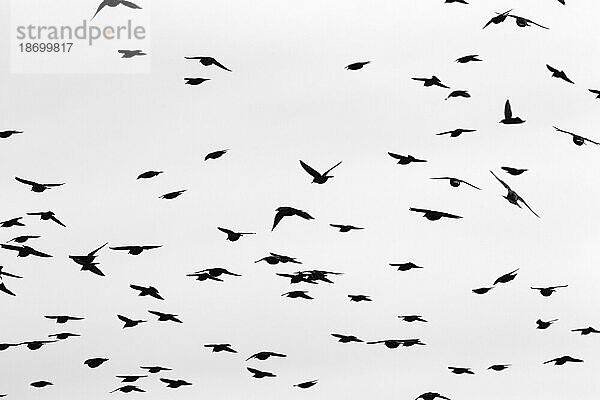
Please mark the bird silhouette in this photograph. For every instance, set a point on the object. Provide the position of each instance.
(507, 277)
(389, 343)
(204, 276)
(523, 22)
(455, 182)
(513, 197)
(114, 3)
(412, 318)
(131, 53)
(95, 362)
(208, 61)
(563, 360)
(174, 383)
(357, 298)
(282, 212)
(130, 323)
(544, 324)
(156, 369)
(467, 59)
(63, 319)
(9, 133)
(482, 290)
(234, 236)
(432, 396)
(130, 378)
(48, 216)
(64, 335)
(356, 66)
(499, 367)
(3, 273)
(307, 384)
(433, 81)
(345, 228)
(23, 238)
(214, 272)
(558, 74)
(514, 171)
(295, 294)
(38, 187)
(274, 259)
(318, 177)
(405, 266)
(578, 140)
(215, 154)
(149, 174)
(166, 317)
(456, 132)
(434, 215)
(217, 348)
(258, 374)
(547, 291)
(195, 81)
(265, 355)
(25, 251)
(147, 291)
(172, 195)
(41, 384)
(461, 370)
(134, 250)
(586, 331)
(405, 160)
(87, 261)
(458, 93)
(128, 389)
(596, 92)
(346, 338)
(498, 19)
(37, 344)
(508, 116)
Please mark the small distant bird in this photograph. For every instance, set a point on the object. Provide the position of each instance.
(172, 195)
(258, 374)
(23, 238)
(578, 140)
(47, 215)
(37, 344)
(461, 370)
(405, 160)
(63, 319)
(88, 258)
(166, 317)
(458, 93)
(295, 294)
(130, 323)
(128, 389)
(307, 384)
(64, 335)
(24, 251)
(412, 318)
(514, 171)
(563, 360)
(215, 154)
(523, 22)
(134, 250)
(7, 134)
(513, 197)
(586, 331)
(95, 362)
(359, 297)
(482, 290)
(38, 187)
(544, 324)
(265, 355)
(12, 222)
(405, 266)
(114, 3)
(346, 338)
(433, 81)
(41, 384)
(547, 291)
(289, 212)
(345, 228)
(156, 369)
(559, 74)
(131, 53)
(208, 61)
(455, 182)
(432, 396)
(130, 378)
(498, 19)
(234, 236)
(499, 367)
(434, 215)
(596, 92)
(149, 174)
(174, 384)
(216, 348)
(466, 59)
(274, 259)
(456, 132)
(508, 116)
(147, 291)
(318, 177)
(195, 81)
(356, 66)
(215, 272)
(507, 277)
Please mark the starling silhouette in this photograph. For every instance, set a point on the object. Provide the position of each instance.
(166, 317)
(307, 384)
(149, 174)
(356, 66)
(274, 259)
(64, 335)
(359, 297)
(48, 215)
(456, 132)
(208, 61)
(38, 187)
(217, 348)
(507, 277)
(458, 93)
(434, 215)
(128, 389)
(172, 195)
(508, 116)
(63, 319)
(258, 374)
(12, 222)
(345, 228)
(234, 236)
(547, 291)
(215, 154)
(544, 324)
(9, 133)
(513, 197)
(130, 378)
(461, 370)
(115, 3)
(405, 266)
(432, 396)
(318, 177)
(265, 355)
(289, 212)
(156, 369)
(295, 294)
(204, 276)
(433, 81)
(412, 318)
(130, 323)
(523, 22)
(389, 343)
(147, 291)
(455, 182)
(514, 171)
(37, 344)
(578, 140)
(405, 160)
(134, 250)
(131, 53)
(87, 262)
(95, 362)
(23, 238)
(498, 19)
(24, 251)
(41, 384)
(499, 367)
(559, 74)
(195, 81)
(467, 59)
(346, 338)
(586, 331)
(215, 272)
(482, 290)
(563, 360)
(174, 384)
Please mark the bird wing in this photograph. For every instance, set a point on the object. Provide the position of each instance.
(396, 156)
(552, 69)
(100, 7)
(9, 274)
(467, 183)
(278, 217)
(507, 110)
(136, 287)
(150, 247)
(159, 314)
(130, 5)
(535, 23)
(304, 214)
(11, 247)
(4, 289)
(124, 319)
(97, 250)
(224, 230)
(502, 182)
(218, 64)
(418, 210)
(448, 215)
(527, 205)
(93, 269)
(53, 218)
(122, 248)
(595, 91)
(330, 169)
(310, 170)
(25, 181)
(192, 58)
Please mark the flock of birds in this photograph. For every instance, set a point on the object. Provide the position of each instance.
(89, 262)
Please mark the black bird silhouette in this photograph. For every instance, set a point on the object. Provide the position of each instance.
(234, 236)
(195, 81)
(586, 331)
(389, 343)
(558, 74)
(359, 297)
(64, 335)
(166, 317)
(295, 294)
(513, 197)
(215, 154)
(274, 259)
(48, 215)
(433, 81)
(455, 182)
(578, 140)
(508, 116)
(544, 324)
(203, 276)
(264, 355)
(507, 277)
(456, 132)
(2, 273)
(38, 187)
(563, 360)
(147, 291)
(346, 338)
(135, 250)
(434, 215)
(24, 251)
(514, 171)
(208, 61)
(458, 93)
(289, 212)
(37, 344)
(461, 370)
(482, 290)
(131, 53)
(114, 3)
(216, 348)
(431, 396)
(41, 384)
(405, 160)
(214, 272)
(130, 323)
(149, 174)
(9, 133)
(356, 66)
(12, 222)
(23, 238)
(5, 346)
(156, 369)
(405, 266)
(173, 195)
(87, 262)
(95, 362)
(63, 319)
(318, 177)
(523, 22)
(596, 92)
(128, 389)
(174, 384)
(307, 384)
(130, 378)
(466, 59)
(258, 374)
(345, 228)
(498, 19)
(412, 318)
(499, 367)
(547, 291)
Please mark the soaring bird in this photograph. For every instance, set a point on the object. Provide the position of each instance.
(544, 324)
(514, 171)
(578, 140)
(217, 348)
(596, 92)
(234, 236)
(547, 291)
(345, 228)
(499, 367)
(467, 59)
(24, 251)
(458, 93)
(434, 215)
(47, 215)
(318, 177)
(38, 187)
(307, 384)
(156, 369)
(128, 389)
(433, 81)
(9, 133)
(63, 319)
(214, 272)
(357, 298)
(9, 223)
(498, 19)
(507, 277)
(586, 331)
(37, 344)
(64, 335)
(208, 61)
(95, 362)
(295, 294)
(455, 182)
(173, 195)
(513, 197)
(149, 174)
(195, 81)
(87, 262)
(558, 74)
(23, 238)
(432, 396)
(147, 291)
(523, 22)
(456, 132)
(461, 370)
(405, 160)
(412, 318)
(265, 355)
(41, 384)
(166, 317)
(563, 360)
(174, 383)
(389, 343)
(258, 374)
(407, 266)
(356, 66)
(130, 323)
(215, 154)
(289, 212)
(130, 378)
(346, 338)
(131, 53)
(274, 259)
(114, 3)
(135, 250)
(508, 116)
(482, 290)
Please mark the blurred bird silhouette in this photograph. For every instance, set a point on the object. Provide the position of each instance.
(289, 212)
(216, 348)
(434, 215)
(295, 294)
(319, 178)
(356, 66)
(513, 197)
(234, 236)
(507, 277)
(558, 74)
(131, 53)
(147, 291)
(596, 92)
(461, 370)
(12, 222)
(412, 318)
(482, 290)
(359, 297)
(63, 319)
(195, 81)
(563, 360)
(115, 3)
(455, 182)
(578, 140)
(149, 174)
(274, 259)
(547, 291)
(166, 317)
(514, 171)
(456, 132)
(172, 195)
(38, 187)
(431, 396)
(215, 154)
(586, 331)
(9, 133)
(499, 367)
(508, 116)
(265, 355)
(405, 266)
(23, 238)
(25, 251)
(134, 250)
(258, 374)
(544, 324)
(346, 338)
(345, 228)
(47, 215)
(405, 160)
(208, 61)
(467, 59)
(41, 384)
(156, 369)
(433, 81)
(95, 362)
(174, 383)
(458, 93)
(128, 389)
(498, 19)
(130, 323)
(307, 384)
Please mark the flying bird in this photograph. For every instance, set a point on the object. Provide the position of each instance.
(523, 22)
(359, 297)
(41, 384)
(346, 338)
(586, 331)
(147, 291)
(461, 370)
(405, 160)
(149, 174)
(456, 132)
(433, 81)
(514, 171)
(455, 182)
(64, 335)
(23, 238)
(195, 81)
(37, 344)
(563, 360)
(12, 222)
(405, 266)
(48, 215)
(258, 374)
(24, 251)
(156, 369)
(128, 389)
(513, 197)
(131, 53)
(135, 250)
(289, 212)
(9, 133)
(2, 273)
(265, 355)
(498, 19)
(467, 59)
(499, 367)
(38, 187)
(166, 317)
(63, 319)
(274, 259)
(130, 323)
(547, 291)
(173, 195)
(114, 3)
(215, 154)
(544, 324)
(412, 318)
(356, 66)
(318, 177)
(482, 290)
(432, 396)
(234, 236)
(434, 215)
(558, 74)
(208, 61)
(87, 261)
(307, 384)
(295, 294)
(345, 228)
(508, 116)
(217, 348)
(578, 140)
(130, 378)
(507, 277)
(596, 92)
(174, 383)
(95, 362)
(458, 93)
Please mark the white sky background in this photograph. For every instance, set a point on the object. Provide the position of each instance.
(289, 98)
